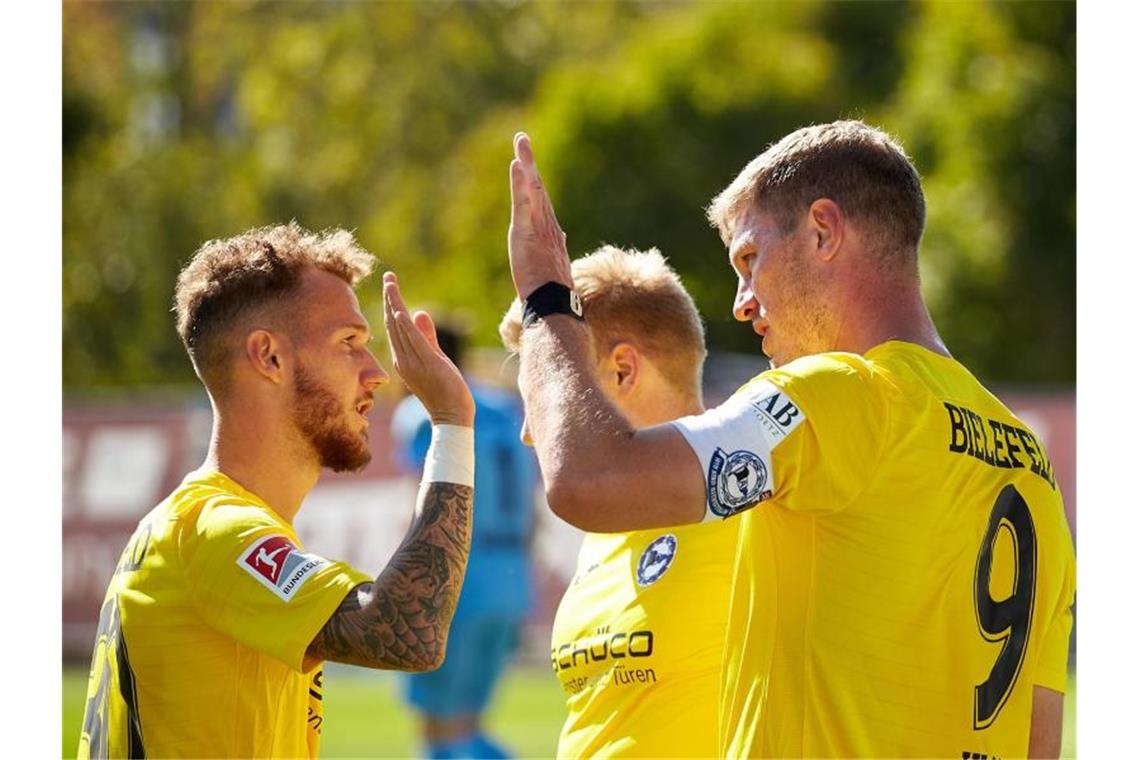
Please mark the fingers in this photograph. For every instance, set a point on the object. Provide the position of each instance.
(536, 244)
(520, 180)
(397, 299)
(424, 368)
(413, 341)
(531, 179)
(393, 308)
(404, 340)
(530, 203)
(520, 200)
(423, 322)
(522, 146)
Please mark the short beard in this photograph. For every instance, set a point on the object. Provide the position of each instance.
(320, 417)
(811, 312)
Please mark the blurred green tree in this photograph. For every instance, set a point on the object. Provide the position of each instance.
(633, 146)
(988, 104)
(183, 122)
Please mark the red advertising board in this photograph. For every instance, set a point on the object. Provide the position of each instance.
(121, 460)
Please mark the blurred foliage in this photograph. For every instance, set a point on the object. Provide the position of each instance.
(189, 121)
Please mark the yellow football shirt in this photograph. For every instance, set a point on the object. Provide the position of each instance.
(203, 632)
(910, 576)
(637, 642)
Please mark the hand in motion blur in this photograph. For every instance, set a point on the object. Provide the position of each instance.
(536, 243)
(420, 362)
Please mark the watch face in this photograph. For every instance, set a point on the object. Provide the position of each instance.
(575, 303)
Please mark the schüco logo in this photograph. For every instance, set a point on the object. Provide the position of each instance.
(604, 646)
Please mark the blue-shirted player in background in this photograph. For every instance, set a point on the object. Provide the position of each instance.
(498, 592)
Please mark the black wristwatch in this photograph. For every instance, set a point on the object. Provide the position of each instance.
(551, 298)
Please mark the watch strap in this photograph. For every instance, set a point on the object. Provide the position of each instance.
(551, 298)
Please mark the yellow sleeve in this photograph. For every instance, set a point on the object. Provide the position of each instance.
(250, 579)
(827, 460)
(1053, 664)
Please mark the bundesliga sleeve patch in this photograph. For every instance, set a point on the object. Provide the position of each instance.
(276, 563)
(734, 443)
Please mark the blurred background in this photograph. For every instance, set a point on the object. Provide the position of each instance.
(189, 121)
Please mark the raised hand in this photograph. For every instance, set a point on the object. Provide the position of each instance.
(420, 362)
(536, 243)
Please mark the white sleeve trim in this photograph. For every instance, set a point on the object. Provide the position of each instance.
(734, 444)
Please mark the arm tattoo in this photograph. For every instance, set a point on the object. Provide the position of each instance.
(401, 620)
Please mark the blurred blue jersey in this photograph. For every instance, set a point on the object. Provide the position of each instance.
(506, 474)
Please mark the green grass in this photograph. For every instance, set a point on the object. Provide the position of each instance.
(1069, 732)
(364, 716)
(74, 690)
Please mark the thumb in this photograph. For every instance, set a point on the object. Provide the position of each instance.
(423, 322)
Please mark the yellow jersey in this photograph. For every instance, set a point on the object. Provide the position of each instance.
(909, 577)
(637, 642)
(203, 632)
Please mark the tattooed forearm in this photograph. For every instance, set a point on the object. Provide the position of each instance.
(401, 620)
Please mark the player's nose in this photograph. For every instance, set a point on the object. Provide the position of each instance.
(524, 434)
(373, 375)
(744, 305)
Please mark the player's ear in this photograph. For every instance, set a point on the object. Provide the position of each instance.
(625, 362)
(265, 352)
(828, 224)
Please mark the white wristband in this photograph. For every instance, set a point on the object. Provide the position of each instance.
(451, 455)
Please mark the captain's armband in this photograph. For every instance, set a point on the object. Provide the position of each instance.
(734, 444)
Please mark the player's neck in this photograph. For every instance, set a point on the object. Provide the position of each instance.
(659, 405)
(892, 312)
(268, 463)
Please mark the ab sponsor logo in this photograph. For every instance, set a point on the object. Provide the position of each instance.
(277, 563)
(656, 559)
(778, 414)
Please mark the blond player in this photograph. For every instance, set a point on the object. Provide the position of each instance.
(638, 637)
(904, 587)
(217, 620)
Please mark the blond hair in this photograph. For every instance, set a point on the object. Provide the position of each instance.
(634, 296)
(863, 169)
(230, 279)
